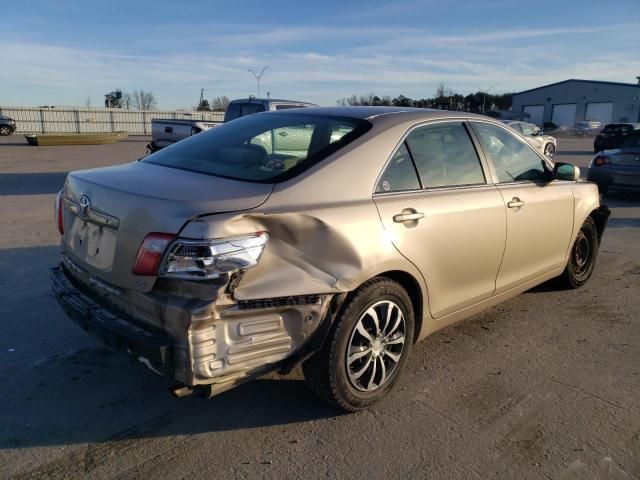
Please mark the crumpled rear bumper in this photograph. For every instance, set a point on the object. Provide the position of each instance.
(153, 348)
(214, 343)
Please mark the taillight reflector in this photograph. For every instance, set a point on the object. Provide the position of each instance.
(59, 212)
(601, 160)
(150, 253)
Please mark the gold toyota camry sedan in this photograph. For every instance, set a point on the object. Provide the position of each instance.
(331, 237)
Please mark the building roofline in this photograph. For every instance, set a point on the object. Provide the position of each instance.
(600, 82)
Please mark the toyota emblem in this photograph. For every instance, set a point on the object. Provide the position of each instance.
(85, 204)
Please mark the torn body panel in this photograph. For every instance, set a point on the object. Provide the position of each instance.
(207, 338)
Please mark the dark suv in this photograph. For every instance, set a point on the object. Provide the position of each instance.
(612, 135)
(7, 125)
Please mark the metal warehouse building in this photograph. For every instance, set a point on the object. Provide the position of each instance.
(565, 103)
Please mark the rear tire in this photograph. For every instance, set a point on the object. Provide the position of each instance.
(582, 258)
(364, 353)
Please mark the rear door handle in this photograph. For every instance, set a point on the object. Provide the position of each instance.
(515, 203)
(408, 217)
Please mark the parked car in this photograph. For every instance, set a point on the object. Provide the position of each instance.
(240, 253)
(168, 131)
(618, 168)
(247, 106)
(7, 125)
(165, 132)
(613, 135)
(545, 144)
(589, 127)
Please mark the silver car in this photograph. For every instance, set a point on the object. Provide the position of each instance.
(545, 144)
(331, 237)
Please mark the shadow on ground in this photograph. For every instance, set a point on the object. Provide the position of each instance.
(31, 183)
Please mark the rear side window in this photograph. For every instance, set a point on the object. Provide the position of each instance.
(285, 106)
(400, 174)
(237, 110)
(513, 159)
(445, 156)
(262, 148)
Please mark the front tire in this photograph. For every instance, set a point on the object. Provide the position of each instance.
(367, 348)
(549, 151)
(5, 131)
(582, 258)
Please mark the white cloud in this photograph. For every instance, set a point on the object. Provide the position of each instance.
(319, 64)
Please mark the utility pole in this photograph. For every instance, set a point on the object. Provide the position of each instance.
(484, 93)
(258, 77)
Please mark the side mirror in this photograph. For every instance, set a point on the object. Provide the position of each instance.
(566, 171)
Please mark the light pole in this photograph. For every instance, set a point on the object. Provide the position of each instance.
(258, 77)
(484, 92)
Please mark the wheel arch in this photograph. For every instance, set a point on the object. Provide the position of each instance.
(600, 216)
(413, 288)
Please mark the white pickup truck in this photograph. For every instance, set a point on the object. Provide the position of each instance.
(165, 132)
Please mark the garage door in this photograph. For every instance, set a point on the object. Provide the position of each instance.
(564, 114)
(600, 111)
(536, 112)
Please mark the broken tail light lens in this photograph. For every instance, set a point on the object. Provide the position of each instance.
(57, 212)
(205, 259)
(150, 253)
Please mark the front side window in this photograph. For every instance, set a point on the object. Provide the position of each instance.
(262, 148)
(400, 174)
(513, 159)
(445, 156)
(516, 127)
(528, 129)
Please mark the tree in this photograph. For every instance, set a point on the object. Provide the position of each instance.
(441, 90)
(88, 102)
(204, 106)
(126, 101)
(219, 104)
(143, 100)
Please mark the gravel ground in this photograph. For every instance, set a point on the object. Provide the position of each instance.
(546, 385)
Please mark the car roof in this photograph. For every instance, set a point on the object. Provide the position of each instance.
(399, 114)
(271, 100)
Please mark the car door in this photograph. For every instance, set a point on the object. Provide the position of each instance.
(539, 210)
(442, 215)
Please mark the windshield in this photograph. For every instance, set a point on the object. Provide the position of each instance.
(269, 147)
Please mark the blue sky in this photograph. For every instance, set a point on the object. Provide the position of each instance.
(61, 52)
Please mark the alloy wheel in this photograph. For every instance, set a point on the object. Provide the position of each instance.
(375, 346)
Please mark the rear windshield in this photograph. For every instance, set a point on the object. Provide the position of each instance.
(632, 141)
(267, 148)
(237, 110)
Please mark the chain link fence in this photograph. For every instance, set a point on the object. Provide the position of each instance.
(95, 120)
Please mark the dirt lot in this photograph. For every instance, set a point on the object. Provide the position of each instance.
(544, 386)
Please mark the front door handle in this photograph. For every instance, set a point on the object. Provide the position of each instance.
(408, 215)
(515, 203)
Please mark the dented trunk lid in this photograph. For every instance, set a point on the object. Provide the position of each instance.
(108, 212)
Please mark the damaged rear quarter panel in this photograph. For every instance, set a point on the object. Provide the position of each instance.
(325, 235)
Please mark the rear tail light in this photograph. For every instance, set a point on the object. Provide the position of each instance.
(205, 259)
(601, 160)
(150, 253)
(58, 212)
